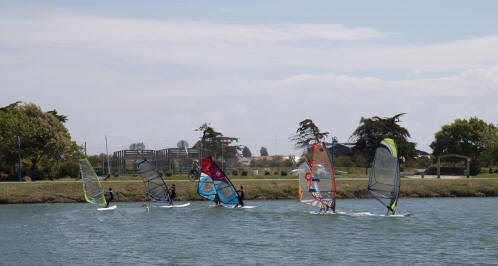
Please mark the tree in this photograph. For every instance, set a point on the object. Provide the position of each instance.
(246, 153)
(218, 145)
(263, 151)
(473, 137)
(46, 145)
(372, 131)
(307, 134)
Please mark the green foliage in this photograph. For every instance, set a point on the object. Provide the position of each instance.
(283, 173)
(372, 131)
(277, 161)
(214, 142)
(235, 173)
(46, 146)
(246, 153)
(307, 134)
(263, 151)
(267, 173)
(473, 137)
(244, 173)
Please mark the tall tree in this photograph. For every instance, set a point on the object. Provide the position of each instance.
(246, 153)
(307, 134)
(473, 137)
(263, 151)
(371, 131)
(218, 145)
(46, 143)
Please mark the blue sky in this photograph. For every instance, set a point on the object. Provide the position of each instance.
(153, 72)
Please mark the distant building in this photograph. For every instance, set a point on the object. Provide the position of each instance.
(423, 154)
(244, 160)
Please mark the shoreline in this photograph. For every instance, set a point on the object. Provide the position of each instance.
(71, 192)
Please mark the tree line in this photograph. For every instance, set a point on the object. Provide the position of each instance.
(48, 151)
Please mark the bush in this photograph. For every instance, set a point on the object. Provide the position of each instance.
(275, 173)
(116, 174)
(283, 173)
(267, 173)
(169, 173)
(234, 172)
(244, 173)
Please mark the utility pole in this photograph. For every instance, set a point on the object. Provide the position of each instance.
(107, 152)
(19, 158)
(85, 149)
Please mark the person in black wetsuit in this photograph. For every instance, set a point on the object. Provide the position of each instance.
(241, 196)
(172, 195)
(216, 199)
(111, 193)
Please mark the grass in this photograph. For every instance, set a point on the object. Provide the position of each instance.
(66, 192)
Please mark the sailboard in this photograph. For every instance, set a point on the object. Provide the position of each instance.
(175, 206)
(214, 181)
(317, 183)
(155, 187)
(92, 188)
(384, 182)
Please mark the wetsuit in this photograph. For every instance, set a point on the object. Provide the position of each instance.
(172, 196)
(110, 198)
(241, 197)
(216, 199)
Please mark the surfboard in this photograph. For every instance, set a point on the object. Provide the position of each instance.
(113, 207)
(175, 206)
(245, 207)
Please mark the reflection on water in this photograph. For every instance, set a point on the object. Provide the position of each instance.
(279, 232)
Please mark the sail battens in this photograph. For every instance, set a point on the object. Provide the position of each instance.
(91, 184)
(317, 183)
(155, 187)
(215, 182)
(384, 181)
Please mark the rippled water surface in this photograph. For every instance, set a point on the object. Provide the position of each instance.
(438, 231)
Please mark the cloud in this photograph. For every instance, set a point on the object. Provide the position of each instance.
(157, 80)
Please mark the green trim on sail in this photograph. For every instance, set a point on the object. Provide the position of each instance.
(101, 200)
(393, 207)
(389, 143)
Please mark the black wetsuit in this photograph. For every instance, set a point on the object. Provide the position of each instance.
(241, 198)
(172, 196)
(110, 198)
(216, 199)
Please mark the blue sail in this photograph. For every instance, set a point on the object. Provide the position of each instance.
(206, 187)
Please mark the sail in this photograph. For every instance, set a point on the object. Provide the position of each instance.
(205, 187)
(91, 184)
(222, 185)
(322, 181)
(384, 177)
(305, 196)
(155, 187)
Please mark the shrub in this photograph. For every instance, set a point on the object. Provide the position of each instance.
(267, 173)
(234, 172)
(275, 173)
(116, 174)
(283, 173)
(168, 173)
(244, 173)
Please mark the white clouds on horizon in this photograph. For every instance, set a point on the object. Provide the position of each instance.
(119, 76)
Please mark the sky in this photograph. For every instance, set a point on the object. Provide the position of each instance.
(154, 71)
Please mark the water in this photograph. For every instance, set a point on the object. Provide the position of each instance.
(439, 231)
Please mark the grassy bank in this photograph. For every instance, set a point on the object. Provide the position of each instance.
(66, 192)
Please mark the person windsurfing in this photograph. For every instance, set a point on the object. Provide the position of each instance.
(111, 193)
(172, 195)
(216, 199)
(241, 196)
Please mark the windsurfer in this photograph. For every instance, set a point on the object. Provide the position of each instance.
(172, 195)
(216, 199)
(241, 196)
(111, 193)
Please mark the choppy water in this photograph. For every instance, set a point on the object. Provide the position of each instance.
(439, 231)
